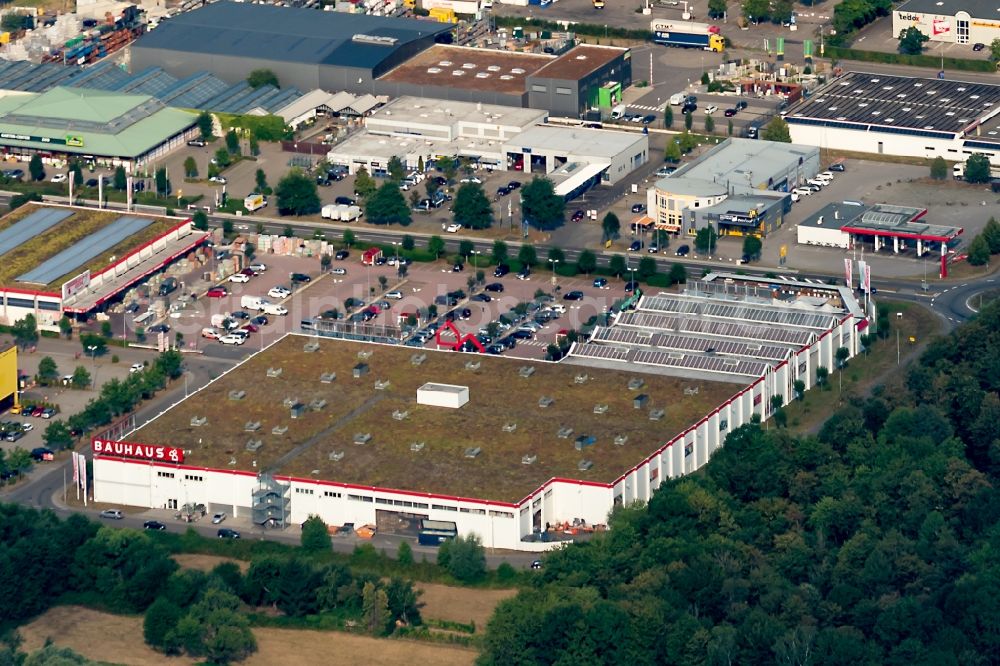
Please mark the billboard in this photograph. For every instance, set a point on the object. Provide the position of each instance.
(75, 285)
(8, 372)
(106, 447)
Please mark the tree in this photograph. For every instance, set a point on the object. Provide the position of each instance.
(404, 554)
(464, 558)
(709, 124)
(14, 22)
(297, 194)
(527, 255)
(402, 601)
(668, 117)
(254, 146)
(315, 537)
(364, 184)
(705, 79)
(939, 168)
(729, 128)
(25, 331)
(977, 169)
(979, 251)
(158, 625)
(35, 167)
(617, 265)
(396, 169)
(777, 130)
(200, 220)
(556, 255)
(233, 143)
(48, 371)
(672, 152)
(466, 248)
(471, 208)
(610, 227)
(647, 268)
(77, 172)
(375, 607)
(263, 77)
(704, 240)
(120, 179)
(752, 247)
(756, 11)
(799, 388)
(911, 41)
(991, 232)
(688, 120)
(215, 629)
(678, 274)
(163, 187)
(205, 125)
(586, 263)
(57, 436)
(716, 9)
(348, 238)
(540, 205)
(498, 255)
(223, 158)
(190, 167)
(821, 375)
(66, 327)
(842, 354)
(781, 11)
(387, 206)
(435, 245)
(81, 378)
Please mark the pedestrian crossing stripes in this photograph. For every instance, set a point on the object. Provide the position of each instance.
(646, 107)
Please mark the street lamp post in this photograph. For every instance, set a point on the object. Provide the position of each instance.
(395, 245)
(93, 356)
(475, 261)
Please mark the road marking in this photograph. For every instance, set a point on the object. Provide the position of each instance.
(966, 284)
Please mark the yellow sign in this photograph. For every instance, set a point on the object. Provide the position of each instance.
(784, 251)
(8, 374)
(74, 140)
(607, 243)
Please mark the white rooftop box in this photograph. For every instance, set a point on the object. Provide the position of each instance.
(442, 395)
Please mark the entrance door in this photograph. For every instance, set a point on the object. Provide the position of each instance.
(962, 31)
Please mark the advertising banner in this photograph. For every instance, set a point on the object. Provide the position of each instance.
(849, 272)
(75, 285)
(940, 26)
(104, 447)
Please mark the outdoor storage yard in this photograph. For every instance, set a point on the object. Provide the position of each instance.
(39, 244)
(503, 418)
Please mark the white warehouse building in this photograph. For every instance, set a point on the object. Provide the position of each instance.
(901, 115)
(948, 21)
(738, 340)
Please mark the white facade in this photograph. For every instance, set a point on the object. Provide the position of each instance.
(958, 27)
(828, 235)
(620, 153)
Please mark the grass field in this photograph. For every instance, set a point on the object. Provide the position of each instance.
(460, 604)
(206, 562)
(118, 639)
(354, 406)
(67, 233)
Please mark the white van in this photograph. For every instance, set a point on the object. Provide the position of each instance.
(275, 309)
(252, 302)
(618, 112)
(677, 99)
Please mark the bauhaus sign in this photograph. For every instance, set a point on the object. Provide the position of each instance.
(104, 447)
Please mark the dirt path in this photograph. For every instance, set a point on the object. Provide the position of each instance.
(206, 562)
(117, 639)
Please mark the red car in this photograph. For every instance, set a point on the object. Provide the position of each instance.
(252, 328)
(217, 292)
(37, 412)
(577, 216)
(249, 271)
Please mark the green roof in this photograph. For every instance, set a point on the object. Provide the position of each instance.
(92, 122)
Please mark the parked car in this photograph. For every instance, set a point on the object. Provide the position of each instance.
(803, 191)
(259, 320)
(601, 283)
(577, 215)
(839, 166)
(653, 248)
(241, 315)
(137, 367)
(631, 286)
(471, 179)
(210, 333)
(226, 533)
(239, 277)
(231, 339)
(639, 208)
(196, 143)
(978, 46)
(729, 113)
(482, 298)
(154, 525)
(217, 292)
(301, 277)
(525, 274)
(218, 518)
(341, 255)
(635, 246)
(648, 118)
(501, 270)
(522, 334)
(279, 292)
(59, 178)
(453, 228)
(345, 201)
(710, 109)
(42, 454)
(494, 287)
(502, 191)
(573, 296)
(112, 514)
(221, 180)
(394, 294)
(338, 271)
(159, 328)
(260, 268)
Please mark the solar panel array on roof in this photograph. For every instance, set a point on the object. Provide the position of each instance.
(689, 343)
(666, 322)
(601, 351)
(900, 101)
(727, 366)
(198, 91)
(37, 223)
(90, 247)
(742, 311)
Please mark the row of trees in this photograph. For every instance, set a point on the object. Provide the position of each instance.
(985, 244)
(870, 542)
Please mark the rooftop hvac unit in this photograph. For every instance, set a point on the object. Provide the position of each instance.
(517, 70)
(482, 75)
(468, 65)
(494, 68)
(374, 39)
(458, 72)
(445, 63)
(433, 70)
(506, 77)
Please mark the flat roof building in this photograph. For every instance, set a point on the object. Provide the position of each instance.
(305, 48)
(600, 156)
(948, 21)
(585, 77)
(901, 115)
(740, 187)
(108, 127)
(464, 73)
(848, 224)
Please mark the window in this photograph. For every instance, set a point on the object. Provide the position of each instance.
(382, 500)
(330, 493)
(47, 305)
(165, 475)
(20, 302)
(191, 477)
(501, 514)
(359, 498)
(539, 88)
(441, 507)
(418, 505)
(688, 450)
(564, 91)
(305, 491)
(479, 512)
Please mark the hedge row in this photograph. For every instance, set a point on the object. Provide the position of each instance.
(589, 29)
(930, 61)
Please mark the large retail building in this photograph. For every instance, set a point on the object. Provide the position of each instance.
(948, 21)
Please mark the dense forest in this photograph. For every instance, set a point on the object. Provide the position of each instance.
(876, 541)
